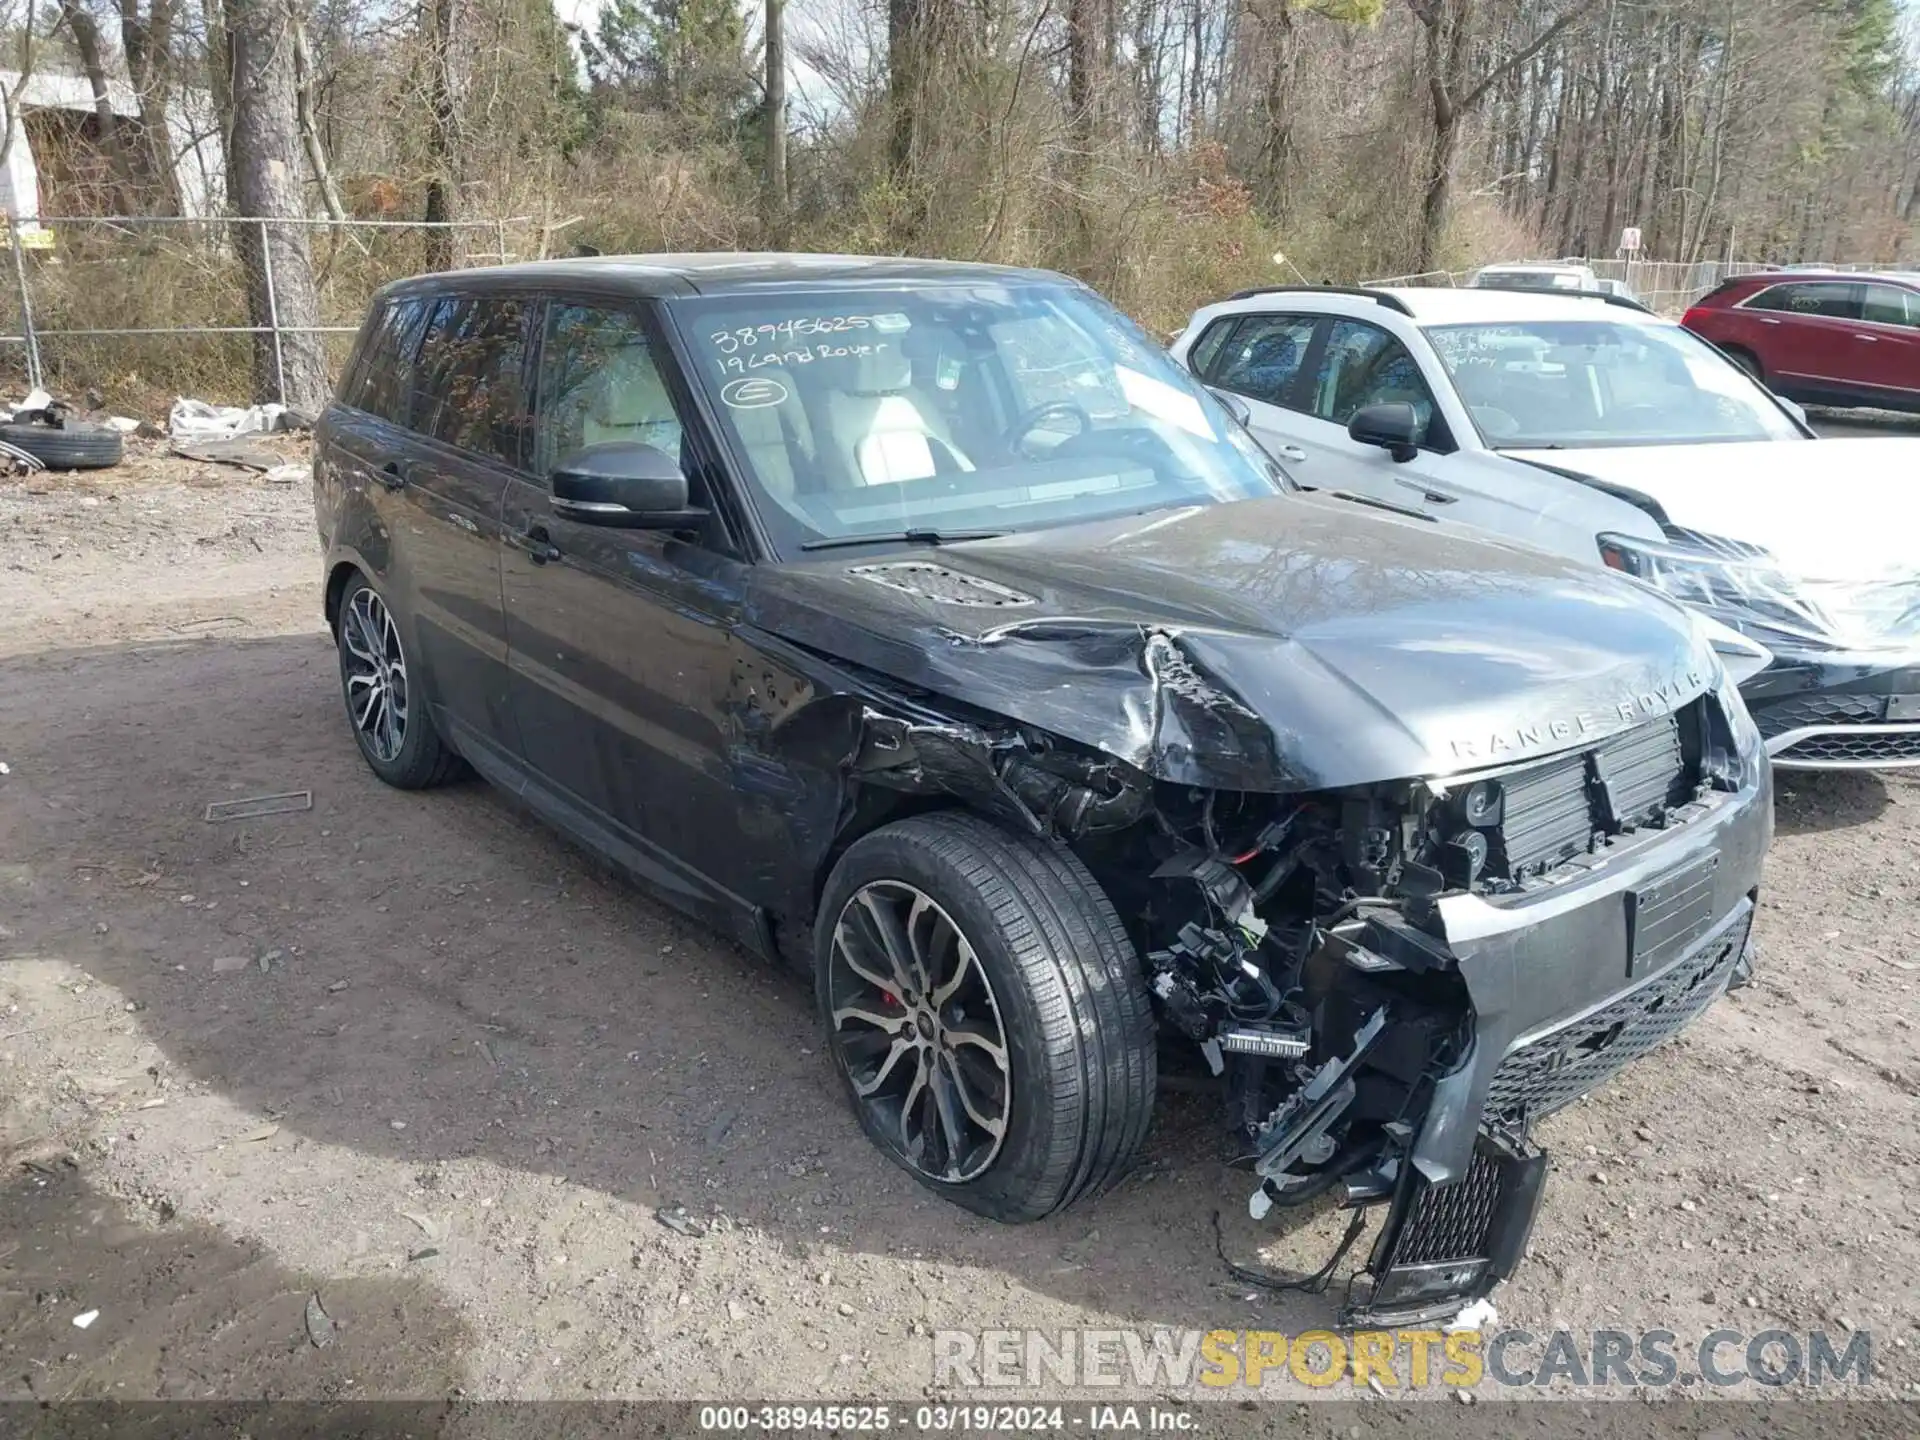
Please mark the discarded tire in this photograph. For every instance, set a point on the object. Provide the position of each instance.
(75, 446)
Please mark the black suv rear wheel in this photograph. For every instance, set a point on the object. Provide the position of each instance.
(385, 706)
(987, 1012)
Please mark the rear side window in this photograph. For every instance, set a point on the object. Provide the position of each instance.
(383, 382)
(470, 382)
(1264, 356)
(1890, 305)
(1833, 299)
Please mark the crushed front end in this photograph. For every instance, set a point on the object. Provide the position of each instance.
(1394, 982)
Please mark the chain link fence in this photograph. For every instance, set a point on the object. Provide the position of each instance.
(137, 305)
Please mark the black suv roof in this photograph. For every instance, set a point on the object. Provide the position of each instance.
(717, 272)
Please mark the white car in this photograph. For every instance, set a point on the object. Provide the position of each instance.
(1544, 276)
(1584, 425)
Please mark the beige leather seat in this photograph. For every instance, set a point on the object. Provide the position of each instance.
(778, 438)
(881, 433)
(630, 402)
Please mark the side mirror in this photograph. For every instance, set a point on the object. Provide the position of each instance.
(1393, 426)
(623, 484)
(1793, 408)
(1233, 405)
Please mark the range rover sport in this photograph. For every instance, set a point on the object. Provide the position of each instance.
(924, 626)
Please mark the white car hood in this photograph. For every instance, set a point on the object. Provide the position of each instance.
(1827, 510)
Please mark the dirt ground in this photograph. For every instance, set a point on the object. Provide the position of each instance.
(415, 1057)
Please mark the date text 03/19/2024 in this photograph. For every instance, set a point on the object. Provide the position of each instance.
(946, 1419)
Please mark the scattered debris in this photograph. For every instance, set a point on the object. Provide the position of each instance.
(1480, 1315)
(289, 475)
(397, 1124)
(428, 1225)
(198, 420)
(425, 1252)
(85, 1318)
(244, 453)
(265, 1132)
(319, 1323)
(337, 986)
(676, 1219)
(227, 964)
(284, 803)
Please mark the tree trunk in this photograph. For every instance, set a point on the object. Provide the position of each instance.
(263, 180)
(148, 42)
(86, 39)
(777, 121)
(906, 35)
(443, 143)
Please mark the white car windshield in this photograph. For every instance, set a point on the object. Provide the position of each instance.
(956, 408)
(1562, 384)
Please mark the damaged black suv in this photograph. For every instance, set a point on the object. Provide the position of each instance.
(925, 626)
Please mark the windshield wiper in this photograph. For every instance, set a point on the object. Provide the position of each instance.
(902, 537)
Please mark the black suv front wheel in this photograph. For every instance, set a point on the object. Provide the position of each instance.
(987, 1012)
(385, 706)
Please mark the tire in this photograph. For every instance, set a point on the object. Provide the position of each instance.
(1748, 362)
(399, 743)
(73, 446)
(1051, 967)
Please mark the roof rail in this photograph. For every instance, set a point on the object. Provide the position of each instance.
(1604, 296)
(1379, 297)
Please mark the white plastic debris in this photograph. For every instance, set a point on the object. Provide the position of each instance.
(198, 420)
(3, 768)
(1259, 1203)
(122, 423)
(36, 400)
(85, 1318)
(1480, 1315)
(289, 475)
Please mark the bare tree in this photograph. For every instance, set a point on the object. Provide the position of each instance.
(776, 113)
(1455, 92)
(443, 129)
(263, 182)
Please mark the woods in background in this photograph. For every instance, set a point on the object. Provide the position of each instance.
(1164, 150)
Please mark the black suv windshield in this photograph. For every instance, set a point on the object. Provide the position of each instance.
(951, 409)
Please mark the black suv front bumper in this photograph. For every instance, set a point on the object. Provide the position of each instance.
(1568, 985)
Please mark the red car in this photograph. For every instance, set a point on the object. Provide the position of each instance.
(1821, 339)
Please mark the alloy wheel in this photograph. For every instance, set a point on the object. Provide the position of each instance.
(376, 676)
(916, 1022)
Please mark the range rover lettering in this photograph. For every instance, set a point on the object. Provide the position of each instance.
(924, 626)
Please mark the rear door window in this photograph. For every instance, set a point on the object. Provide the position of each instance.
(1263, 358)
(471, 389)
(383, 381)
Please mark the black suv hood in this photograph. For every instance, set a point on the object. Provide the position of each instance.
(1281, 644)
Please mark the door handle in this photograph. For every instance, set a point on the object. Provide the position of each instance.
(1292, 454)
(394, 474)
(1870, 339)
(534, 541)
(1435, 497)
(1768, 320)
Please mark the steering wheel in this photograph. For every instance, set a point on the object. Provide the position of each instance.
(1025, 424)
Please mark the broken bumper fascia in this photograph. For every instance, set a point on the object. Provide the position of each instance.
(1568, 986)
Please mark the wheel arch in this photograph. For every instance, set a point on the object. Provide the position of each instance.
(339, 576)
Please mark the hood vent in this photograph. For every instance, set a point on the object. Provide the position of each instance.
(926, 581)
